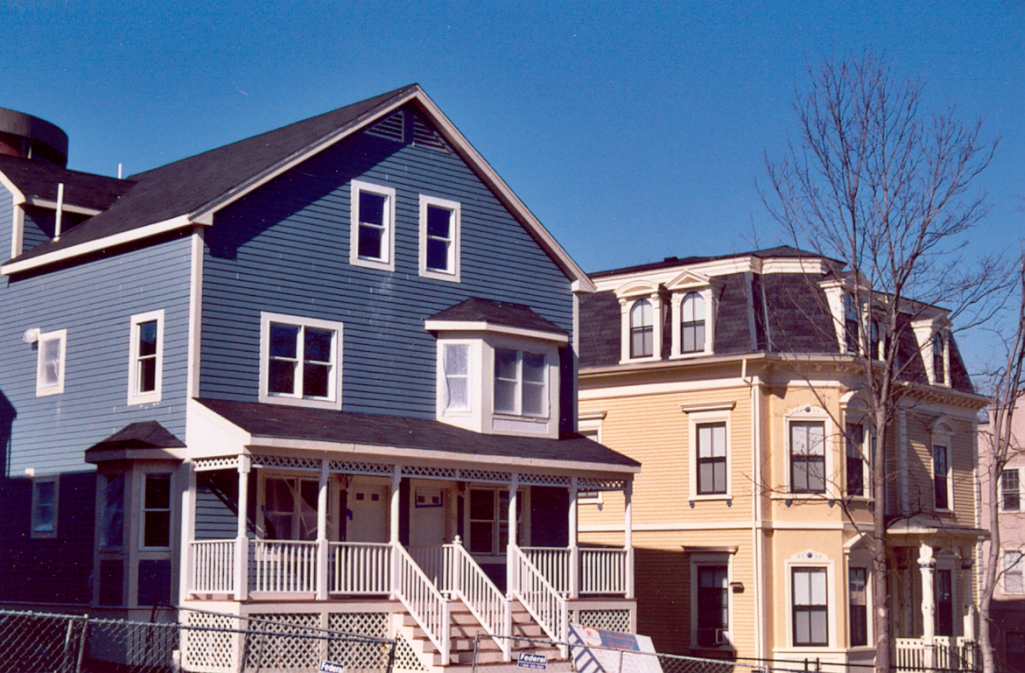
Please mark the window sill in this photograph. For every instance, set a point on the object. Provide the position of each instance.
(437, 274)
(516, 417)
(711, 497)
(300, 402)
(633, 361)
(147, 398)
(690, 356)
(823, 497)
(376, 264)
(47, 392)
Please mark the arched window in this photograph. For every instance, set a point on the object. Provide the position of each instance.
(874, 341)
(938, 368)
(692, 323)
(642, 329)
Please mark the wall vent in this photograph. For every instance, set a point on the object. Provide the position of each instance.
(425, 135)
(391, 127)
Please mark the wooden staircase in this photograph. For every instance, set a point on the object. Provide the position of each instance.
(465, 628)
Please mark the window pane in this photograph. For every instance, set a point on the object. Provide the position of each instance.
(148, 338)
(505, 396)
(158, 529)
(816, 439)
(798, 439)
(642, 343)
(689, 339)
(940, 461)
(51, 361)
(699, 337)
(282, 377)
(802, 587)
(456, 393)
(719, 470)
(438, 221)
(371, 208)
(802, 627)
(315, 380)
(704, 441)
(308, 509)
(534, 367)
(370, 239)
(817, 476)
(437, 254)
(113, 511)
(818, 626)
(154, 582)
(482, 536)
(457, 359)
(482, 505)
(505, 363)
(283, 340)
(158, 491)
(278, 495)
(719, 440)
(799, 475)
(818, 588)
(147, 375)
(317, 344)
(533, 399)
(641, 314)
(1009, 488)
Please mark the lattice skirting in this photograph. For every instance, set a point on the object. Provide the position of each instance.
(208, 651)
(608, 620)
(285, 654)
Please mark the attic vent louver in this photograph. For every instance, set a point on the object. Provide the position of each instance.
(390, 128)
(425, 135)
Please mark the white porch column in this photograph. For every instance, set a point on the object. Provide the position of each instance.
(926, 568)
(241, 537)
(322, 546)
(628, 536)
(574, 552)
(393, 526)
(186, 564)
(510, 550)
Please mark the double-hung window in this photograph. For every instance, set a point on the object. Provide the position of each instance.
(521, 383)
(692, 323)
(713, 605)
(372, 221)
(857, 590)
(711, 457)
(807, 457)
(301, 361)
(456, 363)
(1014, 572)
(810, 607)
(112, 521)
(1010, 491)
(439, 238)
(855, 440)
(489, 520)
(156, 510)
(941, 477)
(146, 357)
(944, 593)
(50, 360)
(44, 507)
(642, 329)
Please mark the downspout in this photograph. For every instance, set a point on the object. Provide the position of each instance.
(756, 524)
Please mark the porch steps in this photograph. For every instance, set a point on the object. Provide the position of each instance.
(465, 628)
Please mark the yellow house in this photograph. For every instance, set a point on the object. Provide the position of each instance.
(734, 381)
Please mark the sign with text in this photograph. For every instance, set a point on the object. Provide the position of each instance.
(331, 667)
(535, 662)
(599, 651)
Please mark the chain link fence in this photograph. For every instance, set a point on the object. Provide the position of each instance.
(36, 642)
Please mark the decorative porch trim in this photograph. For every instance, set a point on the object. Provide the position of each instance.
(349, 467)
(544, 480)
(594, 485)
(263, 460)
(210, 464)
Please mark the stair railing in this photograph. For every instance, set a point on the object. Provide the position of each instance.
(468, 581)
(422, 600)
(542, 600)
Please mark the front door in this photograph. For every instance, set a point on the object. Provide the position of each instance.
(428, 529)
(944, 603)
(368, 513)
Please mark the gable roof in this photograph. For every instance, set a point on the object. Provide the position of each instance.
(506, 314)
(187, 192)
(37, 180)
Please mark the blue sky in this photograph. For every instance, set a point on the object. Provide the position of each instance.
(633, 131)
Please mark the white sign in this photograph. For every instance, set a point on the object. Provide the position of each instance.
(330, 667)
(537, 662)
(598, 651)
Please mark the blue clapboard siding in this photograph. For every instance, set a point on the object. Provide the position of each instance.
(94, 302)
(40, 224)
(6, 223)
(285, 248)
(217, 505)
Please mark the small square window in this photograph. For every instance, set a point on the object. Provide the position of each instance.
(145, 364)
(50, 363)
(439, 238)
(372, 221)
(44, 507)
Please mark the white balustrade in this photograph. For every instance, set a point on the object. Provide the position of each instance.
(422, 600)
(431, 560)
(213, 566)
(602, 571)
(359, 568)
(543, 601)
(553, 563)
(284, 566)
(947, 653)
(468, 581)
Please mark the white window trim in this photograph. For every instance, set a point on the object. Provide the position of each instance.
(336, 385)
(387, 240)
(1000, 491)
(811, 560)
(591, 425)
(810, 413)
(941, 435)
(135, 397)
(141, 508)
(677, 316)
(42, 390)
(866, 457)
(519, 413)
(522, 522)
(695, 419)
(43, 535)
(455, 233)
(626, 305)
(710, 559)
(866, 564)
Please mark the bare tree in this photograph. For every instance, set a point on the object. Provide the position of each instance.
(999, 446)
(875, 182)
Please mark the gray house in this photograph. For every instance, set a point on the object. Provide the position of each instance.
(325, 374)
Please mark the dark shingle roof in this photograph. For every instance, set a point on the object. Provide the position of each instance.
(285, 422)
(186, 185)
(39, 179)
(503, 313)
(142, 435)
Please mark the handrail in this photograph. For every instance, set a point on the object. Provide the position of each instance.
(542, 600)
(603, 571)
(284, 566)
(553, 563)
(359, 568)
(465, 578)
(422, 600)
(213, 566)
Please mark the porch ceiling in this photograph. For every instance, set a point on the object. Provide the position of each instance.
(269, 425)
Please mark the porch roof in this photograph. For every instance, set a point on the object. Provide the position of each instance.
(922, 528)
(269, 422)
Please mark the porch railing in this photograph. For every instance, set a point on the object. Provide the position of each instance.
(953, 653)
(283, 566)
(359, 568)
(553, 563)
(468, 581)
(213, 566)
(543, 601)
(422, 600)
(603, 571)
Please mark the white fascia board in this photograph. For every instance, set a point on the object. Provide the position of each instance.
(130, 236)
(66, 207)
(393, 452)
(484, 326)
(19, 197)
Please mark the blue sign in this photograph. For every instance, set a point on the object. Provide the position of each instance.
(536, 662)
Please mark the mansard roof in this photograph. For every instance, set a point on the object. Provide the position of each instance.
(278, 422)
(506, 314)
(779, 252)
(37, 180)
(187, 192)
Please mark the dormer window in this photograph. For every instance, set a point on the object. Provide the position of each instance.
(939, 347)
(874, 341)
(692, 323)
(642, 329)
(850, 323)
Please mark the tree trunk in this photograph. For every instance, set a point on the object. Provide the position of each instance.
(989, 576)
(880, 568)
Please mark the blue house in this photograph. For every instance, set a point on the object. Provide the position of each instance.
(324, 375)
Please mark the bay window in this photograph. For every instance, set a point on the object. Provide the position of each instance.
(521, 383)
(807, 457)
(858, 608)
(456, 359)
(941, 477)
(713, 605)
